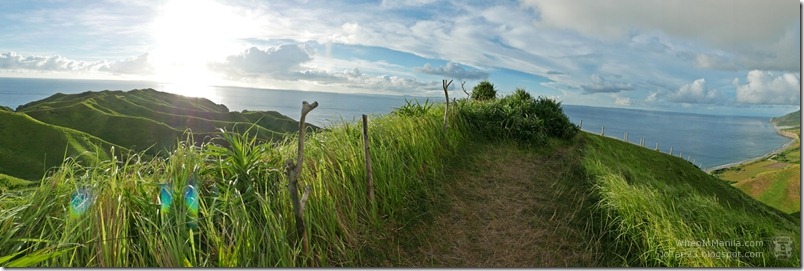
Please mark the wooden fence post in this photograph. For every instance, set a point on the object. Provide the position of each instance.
(294, 171)
(603, 130)
(580, 127)
(369, 172)
(671, 150)
(626, 137)
(642, 142)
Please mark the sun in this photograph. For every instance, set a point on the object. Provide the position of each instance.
(189, 35)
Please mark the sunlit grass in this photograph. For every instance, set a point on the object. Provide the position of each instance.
(651, 214)
(210, 205)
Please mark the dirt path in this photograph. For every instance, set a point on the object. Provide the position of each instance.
(503, 210)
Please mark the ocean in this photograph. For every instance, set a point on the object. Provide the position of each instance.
(707, 140)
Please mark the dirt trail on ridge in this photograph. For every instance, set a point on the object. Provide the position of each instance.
(503, 210)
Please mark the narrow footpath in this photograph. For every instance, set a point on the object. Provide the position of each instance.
(506, 207)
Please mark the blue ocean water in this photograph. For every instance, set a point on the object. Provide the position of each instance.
(708, 140)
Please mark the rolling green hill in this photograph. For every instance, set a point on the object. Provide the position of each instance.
(145, 118)
(29, 147)
(36, 136)
(791, 119)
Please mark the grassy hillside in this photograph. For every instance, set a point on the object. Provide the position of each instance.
(29, 147)
(775, 180)
(792, 119)
(145, 118)
(659, 210)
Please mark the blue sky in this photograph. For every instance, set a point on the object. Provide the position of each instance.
(735, 57)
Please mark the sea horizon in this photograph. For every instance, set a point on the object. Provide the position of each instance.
(740, 138)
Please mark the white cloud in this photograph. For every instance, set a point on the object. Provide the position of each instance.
(764, 87)
(393, 83)
(454, 70)
(695, 92)
(652, 97)
(295, 62)
(623, 101)
(12, 61)
(405, 3)
(135, 65)
(15, 63)
(283, 59)
(600, 84)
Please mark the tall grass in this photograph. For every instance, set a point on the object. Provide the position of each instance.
(651, 214)
(245, 218)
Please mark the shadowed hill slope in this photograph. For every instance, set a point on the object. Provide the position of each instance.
(29, 147)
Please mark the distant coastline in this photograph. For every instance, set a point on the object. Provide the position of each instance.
(779, 130)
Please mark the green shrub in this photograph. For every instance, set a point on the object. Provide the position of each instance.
(495, 121)
(484, 91)
(519, 117)
(411, 110)
(557, 123)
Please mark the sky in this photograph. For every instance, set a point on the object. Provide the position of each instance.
(730, 57)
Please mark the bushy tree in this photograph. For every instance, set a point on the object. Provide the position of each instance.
(484, 91)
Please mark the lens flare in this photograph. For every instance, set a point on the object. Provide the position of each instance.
(165, 197)
(191, 200)
(79, 202)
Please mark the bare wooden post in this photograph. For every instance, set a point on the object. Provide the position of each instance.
(642, 142)
(603, 130)
(445, 84)
(580, 126)
(626, 137)
(369, 172)
(293, 171)
(671, 150)
(657, 146)
(464, 90)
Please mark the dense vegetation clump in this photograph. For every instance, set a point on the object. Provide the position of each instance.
(518, 116)
(484, 91)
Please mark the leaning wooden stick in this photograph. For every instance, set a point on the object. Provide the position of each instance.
(446, 95)
(464, 89)
(293, 172)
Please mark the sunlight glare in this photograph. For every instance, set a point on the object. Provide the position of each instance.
(189, 34)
